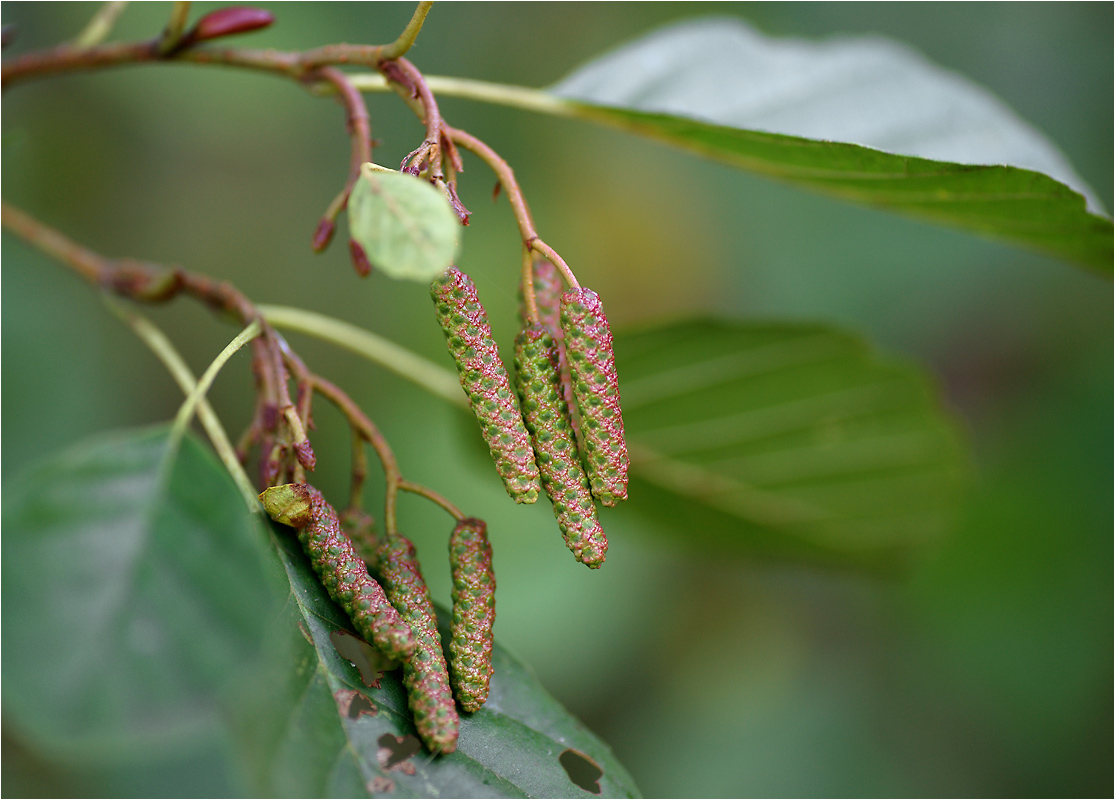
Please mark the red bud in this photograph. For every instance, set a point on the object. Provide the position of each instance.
(359, 259)
(228, 22)
(324, 234)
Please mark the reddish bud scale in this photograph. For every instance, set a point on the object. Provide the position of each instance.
(360, 260)
(485, 381)
(547, 419)
(346, 579)
(229, 21)
(547, 299)
(474, 613)
(592, 364)
(424, 674)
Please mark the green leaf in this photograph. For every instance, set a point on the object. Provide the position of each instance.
(317, 728)
(407, 228)
(868, 120)
(793, 441)
(131, 596)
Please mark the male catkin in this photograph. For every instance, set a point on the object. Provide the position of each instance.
(342, 571)
(424, 674)
(547, 419)
(592, 364)
(485, 381)
(547, 299)
(474, 613)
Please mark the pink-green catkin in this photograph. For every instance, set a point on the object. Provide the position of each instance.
(474, 613)
(341, 570)
(425, 674)
(485, 381)
(547, 299)
(547, 419)
(592, 364)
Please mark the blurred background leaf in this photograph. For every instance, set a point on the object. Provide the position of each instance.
(986, 670)
(799, 441)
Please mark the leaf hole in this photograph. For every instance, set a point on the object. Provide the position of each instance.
(394, 750)
(369, 661)
(582, 770)
(353, 704)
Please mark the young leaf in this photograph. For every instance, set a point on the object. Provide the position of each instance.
(405, 227)
(794, 441)
(868, 119)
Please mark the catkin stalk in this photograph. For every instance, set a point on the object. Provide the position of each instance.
(485, 381)
(547, 419)
(474, 613)
(424, 674)
(547, 299)
(342, 571)
(592, 364)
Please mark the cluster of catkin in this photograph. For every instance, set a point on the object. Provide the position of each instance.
(566, 390)
(398, 616)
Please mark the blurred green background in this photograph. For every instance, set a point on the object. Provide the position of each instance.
(985, 670)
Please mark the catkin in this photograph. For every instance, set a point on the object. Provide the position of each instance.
(342, 571)
(547, 299)
(424, 674)
(474, 613)
(547, 419)
(485, 381)
(592, 364)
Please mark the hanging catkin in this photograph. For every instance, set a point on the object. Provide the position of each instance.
(474, 613)
(592, 364)
(547, 419)
(341, 570)
(547, 299)
(424, 674)
(485, 381)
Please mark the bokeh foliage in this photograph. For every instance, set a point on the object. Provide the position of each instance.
(983, 669)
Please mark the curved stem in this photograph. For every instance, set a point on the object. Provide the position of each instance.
(432, 496)
(161, 346)
(100, 25)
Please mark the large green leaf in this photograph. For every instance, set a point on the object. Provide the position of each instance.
(317, 728)
(865, 118)
(131, 597)
(788, 440)
(868, 120)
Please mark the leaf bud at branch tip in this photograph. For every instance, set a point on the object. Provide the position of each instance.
(228, 22)
(323, 235)
(359, 259)
(305, 454)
